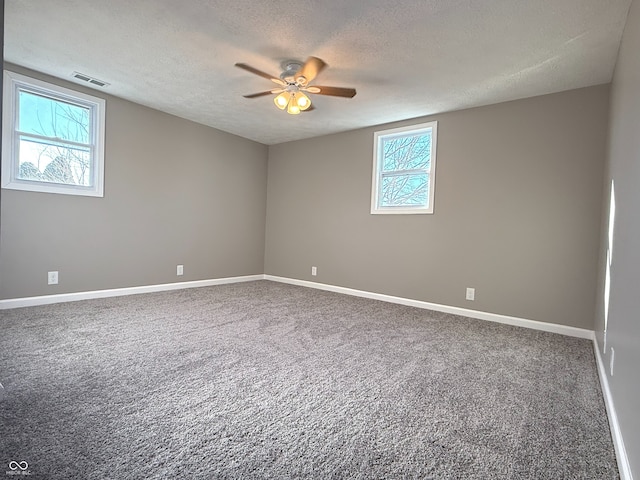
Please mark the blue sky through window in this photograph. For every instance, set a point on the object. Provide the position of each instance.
(52, 159)
(53, 118)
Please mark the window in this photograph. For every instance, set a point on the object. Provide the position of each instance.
(404, 166)
(607, 274)
(53, 138)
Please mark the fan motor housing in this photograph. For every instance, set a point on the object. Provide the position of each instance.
(289, 70)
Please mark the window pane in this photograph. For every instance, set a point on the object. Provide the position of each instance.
(53, 118)
(407, 152)
(404, 190)
(54, 163)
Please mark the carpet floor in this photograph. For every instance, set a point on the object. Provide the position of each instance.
(266, 380)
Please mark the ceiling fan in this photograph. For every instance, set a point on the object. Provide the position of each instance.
(293, 84)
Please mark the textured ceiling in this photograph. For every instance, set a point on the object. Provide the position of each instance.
(405, 58)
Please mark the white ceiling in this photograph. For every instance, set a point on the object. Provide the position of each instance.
(406, 58)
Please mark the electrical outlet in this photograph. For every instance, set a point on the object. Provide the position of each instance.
(52, 278)
(180, 270)
(611, 359)
(471, 294)
(314, 271)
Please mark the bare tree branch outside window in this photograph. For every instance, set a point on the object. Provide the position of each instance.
(405, 170)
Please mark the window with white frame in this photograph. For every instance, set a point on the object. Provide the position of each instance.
(404, 167)
(53, 138)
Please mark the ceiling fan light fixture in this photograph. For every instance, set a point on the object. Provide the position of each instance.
(293, 108)
(302, 101)
(282, 100)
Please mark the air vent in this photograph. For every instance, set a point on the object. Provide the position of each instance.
(88, 79)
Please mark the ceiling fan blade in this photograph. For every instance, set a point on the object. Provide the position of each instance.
(310, 70)
(260, 73)
(259, 94)
(335, 91)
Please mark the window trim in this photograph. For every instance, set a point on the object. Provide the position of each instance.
(13, 83)
(376, 183)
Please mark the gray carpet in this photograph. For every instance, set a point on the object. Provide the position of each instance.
(266, 380)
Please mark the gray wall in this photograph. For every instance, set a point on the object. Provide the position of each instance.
(175, 193)
(517, 211)
(623, 165)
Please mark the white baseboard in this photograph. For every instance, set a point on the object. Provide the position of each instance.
(116, 292)
(624, 467)
(493, 317)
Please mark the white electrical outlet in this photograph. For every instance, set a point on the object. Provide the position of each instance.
(613, 356)
(180, 270)
(471, 294)
(314, 271)
(52, 278)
